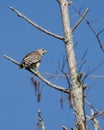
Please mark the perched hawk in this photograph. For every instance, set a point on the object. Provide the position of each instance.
(32, 60)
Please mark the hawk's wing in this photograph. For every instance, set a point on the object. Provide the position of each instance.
(30, 59)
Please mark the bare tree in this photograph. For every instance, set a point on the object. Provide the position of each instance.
(74, 78)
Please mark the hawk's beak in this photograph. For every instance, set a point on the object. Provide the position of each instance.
(45, 51)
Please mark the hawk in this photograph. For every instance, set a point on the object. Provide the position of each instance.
(32, 60)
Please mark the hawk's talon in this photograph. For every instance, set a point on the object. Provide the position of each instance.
(37, 72)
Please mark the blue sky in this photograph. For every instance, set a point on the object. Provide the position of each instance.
(18, 109)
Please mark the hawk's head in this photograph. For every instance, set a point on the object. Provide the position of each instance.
(42, 51)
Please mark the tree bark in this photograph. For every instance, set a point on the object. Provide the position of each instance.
(77, 90)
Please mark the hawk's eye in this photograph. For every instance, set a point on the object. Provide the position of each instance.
(44, 51)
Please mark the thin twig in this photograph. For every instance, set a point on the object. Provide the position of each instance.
(82, 6)
(83, 61)
(65, 73)
(52, 75)
(95, 122)
(70, 2)
(96, 76)
(80, 20)
(64, 127)
(99, 41)
(100, 32)
(40, 76)
(89, 104)
(49, 83)
(96, 67)
(96, 115)
(34, 24)
(40, 123)
(84, 55)
(92, 29)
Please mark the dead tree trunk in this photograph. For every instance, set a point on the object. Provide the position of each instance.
(76, 94)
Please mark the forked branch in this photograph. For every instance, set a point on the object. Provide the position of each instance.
(40, 76)
(97, 34)
(34, 24)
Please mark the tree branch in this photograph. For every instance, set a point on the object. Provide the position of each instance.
(95, 122)
(80, 20)
(89, 104)
(40, 123)
(64, 128)
(11, 59)
(93, 30)
(40, 77)
(34, 24)
(95, 68)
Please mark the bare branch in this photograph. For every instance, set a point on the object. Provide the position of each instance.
(94, 121)
(93, 30)
(34, 24)
(40, 77)
(65, 73)
(100, 32)
(80, 20)
(40, 122)
(99, 41)
(70, 2)
(54, 75)
(64, 128)
(12, 60)
(82, 61)
(96, 76)
(96, 34)
(99, 114)
(49, 83)
(96, 115)
(82, 6)
(96, 67)
(91, 105)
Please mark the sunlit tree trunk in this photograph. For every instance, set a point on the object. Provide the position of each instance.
(76, 94)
